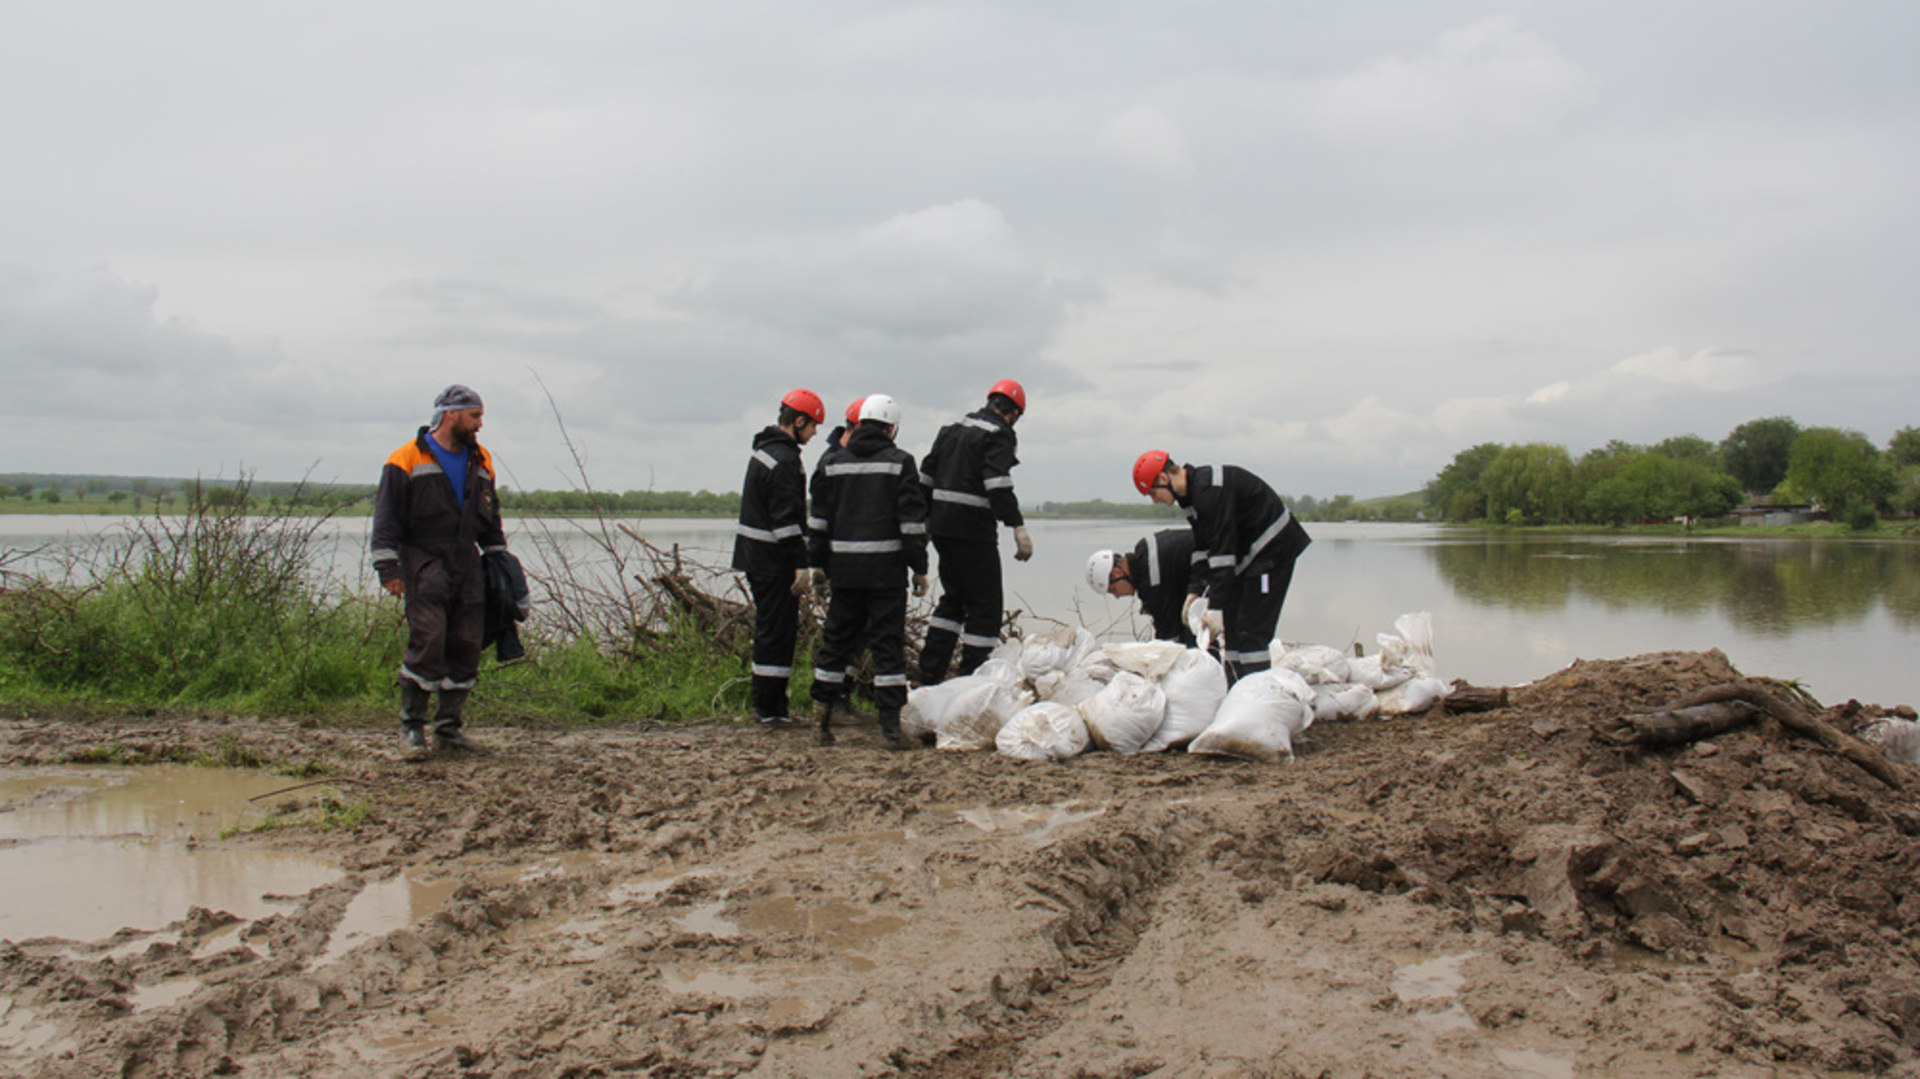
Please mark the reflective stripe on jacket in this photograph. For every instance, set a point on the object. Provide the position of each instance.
(868, 525)
(968, 475)
(770, 537)
(1238, 524)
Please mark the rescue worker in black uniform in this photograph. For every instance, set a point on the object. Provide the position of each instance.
(434, 513)
(867, 534)
(1156, 573)
(770, 547)
(1249, 541)
(969, 481)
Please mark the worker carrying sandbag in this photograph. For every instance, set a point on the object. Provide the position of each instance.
(1156, 573)
(1249, 541)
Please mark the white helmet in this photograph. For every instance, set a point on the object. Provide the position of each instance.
(878, 406)
(1100, 570)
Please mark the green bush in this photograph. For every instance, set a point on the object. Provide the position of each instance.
(220, 611)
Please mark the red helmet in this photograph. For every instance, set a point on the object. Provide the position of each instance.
(1011, 390)
(853, 411)
(808, 402)
(1148, 468)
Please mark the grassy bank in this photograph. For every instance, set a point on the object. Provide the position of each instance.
(219, 613)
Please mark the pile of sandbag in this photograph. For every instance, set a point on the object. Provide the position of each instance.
(1058, 694)
(1398, 679)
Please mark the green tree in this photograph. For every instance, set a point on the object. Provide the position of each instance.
(1615, 500)
(1534, 481)
(1689, 448)
(1904, 446)
(1756, 452)
(51, 496)
(24, 490)
(1840, 470)
(1456, 494)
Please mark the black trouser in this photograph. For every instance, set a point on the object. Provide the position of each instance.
(879, 614)
(776, 624)
(970, 609)
(1250, 609)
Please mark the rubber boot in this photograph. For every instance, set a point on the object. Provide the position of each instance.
(823, 714)
(414, 703)
(890, 730)
(845, 715)
(446, 722)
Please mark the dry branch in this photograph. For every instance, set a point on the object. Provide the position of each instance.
(1786, 704)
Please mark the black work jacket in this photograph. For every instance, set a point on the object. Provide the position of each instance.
(868, 526)
(508, 604)
(1239, 526)
(770, 539)
(968, 475)
(422, 534)
(1161, 566)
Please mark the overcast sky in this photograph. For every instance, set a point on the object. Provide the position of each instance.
(1333, 242)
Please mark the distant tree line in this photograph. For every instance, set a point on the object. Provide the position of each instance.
(1773, 460)
(628, 503)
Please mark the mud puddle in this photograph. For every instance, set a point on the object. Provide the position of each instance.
(128, 846)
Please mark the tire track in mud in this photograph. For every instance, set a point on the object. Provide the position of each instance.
(1104, 888)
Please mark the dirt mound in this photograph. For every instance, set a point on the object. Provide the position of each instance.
(1507, 893)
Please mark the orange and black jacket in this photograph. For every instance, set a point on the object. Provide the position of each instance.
(417, 521)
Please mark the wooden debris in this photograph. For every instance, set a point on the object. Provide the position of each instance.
(1678, 726)
(1466, 698)
(1715, 710)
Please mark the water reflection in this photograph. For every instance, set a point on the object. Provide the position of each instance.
(1771, 587)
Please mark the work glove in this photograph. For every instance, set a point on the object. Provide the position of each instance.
(1022, 544)
(919, 584)
(820, 580)
(1215, 621)
(1195, 613)
(801, 580)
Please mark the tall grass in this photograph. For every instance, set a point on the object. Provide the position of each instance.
(218, 611)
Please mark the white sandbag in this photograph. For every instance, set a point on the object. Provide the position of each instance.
(1057, 649)
(1074, 687)
(974, 717)
(1006, 672)
(1898, 738)
(1194, 687)
(1332, 703)
(1374, 672)
(1317, 663)
(1150, 660)
(1123, 716)
(1044, 732)
(927, 706)
(1416, 628)
(1293, 684)
(1257, 721)
(1413, 696)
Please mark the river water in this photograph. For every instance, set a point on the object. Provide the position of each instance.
(1841, 615)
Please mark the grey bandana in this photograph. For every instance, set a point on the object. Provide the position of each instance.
(454, 398)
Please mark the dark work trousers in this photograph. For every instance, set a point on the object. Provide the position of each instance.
(445, 621)
(970, 609)
(879, 615)
(776, 623)
(1251, 612)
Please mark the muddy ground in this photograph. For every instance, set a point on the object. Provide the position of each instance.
(1494, 894)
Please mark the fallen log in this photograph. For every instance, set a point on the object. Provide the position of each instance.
(1785, 704)
(1466, 698)
(1678, 726)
